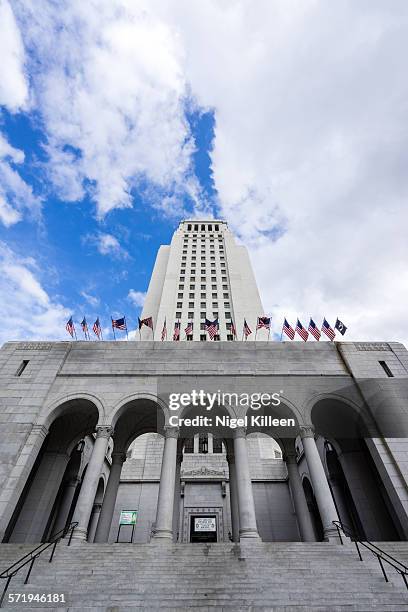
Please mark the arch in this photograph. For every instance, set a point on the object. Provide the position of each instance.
(123, 403)
(53, 410)
(367, 424)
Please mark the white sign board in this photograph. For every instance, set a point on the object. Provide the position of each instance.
(128, 517)
(205, 523)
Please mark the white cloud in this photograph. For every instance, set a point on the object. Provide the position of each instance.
(28, 311)
(309, 157)
(16, 195)
(310, 145)
(112, 88)
(137, 297)
(107, 245)
(13, 85)
(91, 299)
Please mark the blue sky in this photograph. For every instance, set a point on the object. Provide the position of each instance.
(93, 277)
(288, 120)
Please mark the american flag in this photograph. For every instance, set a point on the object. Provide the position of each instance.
(233, 330)
(176, 334)
(84, 326)
(313, 330)
(328, 330)
(212, 328)
(97, 328)
(148, 322)
(263, 322)
(164, 331)
(247, 330)
(288, 329)
(70, 327)
(301, 331)
(119, 323)
(189, 328)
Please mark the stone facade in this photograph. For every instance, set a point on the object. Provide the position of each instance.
(108, 394)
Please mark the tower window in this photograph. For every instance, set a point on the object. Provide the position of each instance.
(189, 228)
(203, 338)
(179, 305)
(217, 338)
(190, 315)
(227, 315)
(203, 228)
(196, 228)
(210, 228)
(178, 315)
(217, 228)
(191, 304)
(386, 369)
(22, 367)
(189, 337)
(230, 337)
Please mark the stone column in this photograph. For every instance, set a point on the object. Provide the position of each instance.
(233, 497)
(165, 502)
(247, 517)
(65, 505)
(321, 488)
(196, 443)
(299, 500)
(109, 499)
(90, 483)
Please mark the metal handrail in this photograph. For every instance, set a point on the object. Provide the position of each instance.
(381, 555)
(30, 557)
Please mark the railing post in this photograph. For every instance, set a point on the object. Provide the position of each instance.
(29, 571)
(382, 567)
(358, 550)
(4, 591)
(53, 550)
(70, 535)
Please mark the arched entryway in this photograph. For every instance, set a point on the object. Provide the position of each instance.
(36, 512)
(342, 430)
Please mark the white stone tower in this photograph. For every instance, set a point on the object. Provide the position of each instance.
(203, 274)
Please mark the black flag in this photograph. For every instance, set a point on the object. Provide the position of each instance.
(340, 327)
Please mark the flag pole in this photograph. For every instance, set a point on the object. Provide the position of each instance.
(113, 329)
(152, 329)
(127, 337)
(256, 331)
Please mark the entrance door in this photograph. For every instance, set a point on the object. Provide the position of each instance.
(203, 528)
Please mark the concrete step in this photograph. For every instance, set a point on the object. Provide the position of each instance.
(256, 576)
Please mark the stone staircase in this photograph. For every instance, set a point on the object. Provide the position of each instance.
(284, 576)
